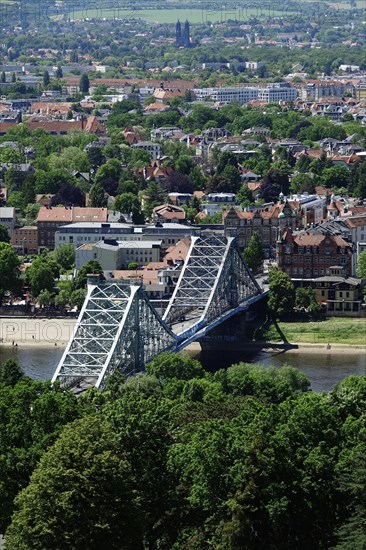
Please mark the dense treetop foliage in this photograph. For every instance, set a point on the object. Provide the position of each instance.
(180, 458)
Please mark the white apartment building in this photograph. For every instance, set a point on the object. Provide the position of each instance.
(93, 232)
(153, 148)
(114, 255)
(242, 94)
(274, 93)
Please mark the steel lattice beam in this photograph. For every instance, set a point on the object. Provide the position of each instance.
(118, 328)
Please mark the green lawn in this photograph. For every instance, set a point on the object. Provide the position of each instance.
(336, 331)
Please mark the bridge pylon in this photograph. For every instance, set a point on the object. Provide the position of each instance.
(117, 328)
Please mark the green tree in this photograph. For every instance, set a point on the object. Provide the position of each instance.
(84, 84)
(127, 202)
(9, 269)
(336, 176)
(81, 496)
(361, 265)
(2, 77)
(31, 213)
(167, 366)
(110, 170)
(71, 158)
(253, 253)
(352, 534)
(46, 79)
(32, 415)
(97, 197)
(306, 298)
(78, 298)
(44, 298)
(58, 72)
(40, 277)
(245, 196)
(65, 255)
(10, 372)
(281, 298)
(153, 195)
(4, 234)
(92, 267)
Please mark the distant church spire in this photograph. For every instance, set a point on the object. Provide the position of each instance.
(178, 33)
(182, 39)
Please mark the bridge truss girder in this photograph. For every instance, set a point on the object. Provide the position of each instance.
(214, 279)
(117, 329)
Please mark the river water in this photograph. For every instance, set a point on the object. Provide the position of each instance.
(323, 370)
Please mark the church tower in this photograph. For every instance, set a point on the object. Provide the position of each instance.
(186, 35)
(178, 34)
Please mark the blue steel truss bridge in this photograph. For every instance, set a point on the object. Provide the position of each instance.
(118, 327)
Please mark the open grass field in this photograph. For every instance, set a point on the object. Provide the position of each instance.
(199, 15)
(334, 331)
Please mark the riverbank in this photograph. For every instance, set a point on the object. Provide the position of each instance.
(57, 332)
(40, 332)
(340, 331)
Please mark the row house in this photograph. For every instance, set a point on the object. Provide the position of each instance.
(264, 221)
(339, 295)
(50, 219)
(311, 254)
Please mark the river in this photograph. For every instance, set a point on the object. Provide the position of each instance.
(323, 370)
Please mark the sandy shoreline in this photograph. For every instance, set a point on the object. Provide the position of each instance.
(44, 332)
(36, 331)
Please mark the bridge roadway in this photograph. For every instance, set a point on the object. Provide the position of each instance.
(194, 326)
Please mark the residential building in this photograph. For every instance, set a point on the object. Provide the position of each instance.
(7, 218)
(338, 294)
(112, 254)
(280, 91)
(154, 149)
(265, 221)
(242, 94)
(25, 240)
(342, 295)
(168, 213)
(309, 254)
(93, 232)
(168, 233)
(50, 219)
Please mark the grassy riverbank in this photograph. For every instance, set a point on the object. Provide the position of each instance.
(335, 331)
